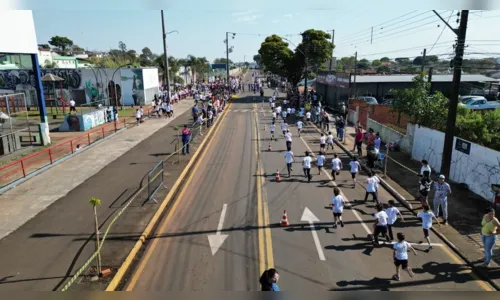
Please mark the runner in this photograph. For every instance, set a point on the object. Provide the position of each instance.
(354, 170)
(320, 161)
(284, 127)
(336, 166)
(308, 117)
(322, 142)
(392, 212)
(283, 115)
(289, 159)
(299, 126)
(400, 255)
(424, 189)
(337, 203)
(427, 216)
(288, 139)
(306, 165)
(329, 140)
(274, 116)
(272, 128)
(380, 227)
(372, 186)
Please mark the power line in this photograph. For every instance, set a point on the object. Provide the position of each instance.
(444, 27)
(401, 50)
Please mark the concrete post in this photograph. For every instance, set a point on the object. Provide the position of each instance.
(44, 124)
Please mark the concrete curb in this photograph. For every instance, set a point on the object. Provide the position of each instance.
(124, 268)
(408, 206)
(57, 162)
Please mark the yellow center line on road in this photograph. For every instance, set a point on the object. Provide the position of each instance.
(445, 248)
(142, 264)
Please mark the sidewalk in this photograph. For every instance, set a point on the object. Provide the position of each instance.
(47, 222)
(465, 208)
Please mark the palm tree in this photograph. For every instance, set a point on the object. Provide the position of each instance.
(193, 63)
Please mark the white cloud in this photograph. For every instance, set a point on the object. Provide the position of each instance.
(288, 16)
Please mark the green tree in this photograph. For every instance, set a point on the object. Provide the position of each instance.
(61, 42)
(222, 60)
(257, 59)
(402, 60)
(422, 107)
(383, 69)
(317, 47)
(364, 64)
(122, 46)
(385, 59)
(376, 63)
(418, 60)
(346, 64)
(147, 58)
(432, 59)
(278, 59)
(44, 46)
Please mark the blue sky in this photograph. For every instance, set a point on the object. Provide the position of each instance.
(202, 25)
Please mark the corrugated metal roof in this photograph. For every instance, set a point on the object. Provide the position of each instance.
(409, 78)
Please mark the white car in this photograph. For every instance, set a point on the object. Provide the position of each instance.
(481, 104)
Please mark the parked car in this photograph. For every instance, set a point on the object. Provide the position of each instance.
(481, 104)
(369, 100)
(464, 99)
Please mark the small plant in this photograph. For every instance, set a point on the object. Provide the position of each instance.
(96, 202)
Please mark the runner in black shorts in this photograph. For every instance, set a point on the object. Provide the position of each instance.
(400, 255)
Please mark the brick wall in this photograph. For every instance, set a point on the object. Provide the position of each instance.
(379, 113)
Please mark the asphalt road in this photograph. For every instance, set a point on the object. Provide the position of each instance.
(235, 179)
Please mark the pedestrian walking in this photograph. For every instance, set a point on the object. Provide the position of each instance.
(340, 129)
(272, 128)
(329, 141)
(427, 216)
(138, 116)
(308, 117)
(393, 213)
(322, 142)
(306, 165)
(372, 186)
(336, 166)
(441, 192)
(400, 255)
(358, 141)
(289, 159)
(186, 138)
(299, 126)
(354, 170)
(489, 227)
(288, 139)
(425, 167)
(380, 226)
(320, 161)
(337, 203)
(424, 188)
(269, 281)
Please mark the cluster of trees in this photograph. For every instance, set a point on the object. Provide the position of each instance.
(122, 56)
(413, 66)
(307, 58)
(431, 110)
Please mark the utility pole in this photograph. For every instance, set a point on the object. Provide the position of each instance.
(331, 58)
(423, 61)
(227, 57)
(355, 72)
(452, 111)
(165, 57)
(429, 79)
(371, 39)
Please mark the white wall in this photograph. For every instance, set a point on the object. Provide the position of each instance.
(478, 170)
(388, 134)
(18, 32)
(150, 78)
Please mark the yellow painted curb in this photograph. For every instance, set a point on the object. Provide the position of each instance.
(152, 223)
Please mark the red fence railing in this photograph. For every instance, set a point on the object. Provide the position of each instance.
(33, 162)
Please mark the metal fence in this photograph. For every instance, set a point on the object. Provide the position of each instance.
(155, 181)
(15, 129)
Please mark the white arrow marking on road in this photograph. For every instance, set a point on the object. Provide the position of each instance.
(308, 216)
(216, 240)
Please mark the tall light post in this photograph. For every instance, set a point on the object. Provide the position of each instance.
(165, 56)
(227, 53)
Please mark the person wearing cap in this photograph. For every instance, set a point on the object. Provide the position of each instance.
(441, 192)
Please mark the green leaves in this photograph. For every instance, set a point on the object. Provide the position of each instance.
(95, 201)
(314, 50)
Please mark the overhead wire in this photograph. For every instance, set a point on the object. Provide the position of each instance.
(442, 31)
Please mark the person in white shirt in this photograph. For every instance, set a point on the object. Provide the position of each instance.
(336, 166)
(299, 126)
(272, 128)
(289, 159)
(427, 216)
(283, 115)
(72, 106)
(425, 167)
(284, 127)
(308, 116)
(354, 170)
(337, 203)
(274, 116)
(138, 116)
(272, 105)
(329, 140)
(320, 162)
(288, 139)
(380, 226)
(306, 165)
(400, 255)
(392, 212)
(322, 142)
(170, 109)
(372, 186)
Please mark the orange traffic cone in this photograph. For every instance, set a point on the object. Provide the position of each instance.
(269, 148)
(284, 220)
(278, 178)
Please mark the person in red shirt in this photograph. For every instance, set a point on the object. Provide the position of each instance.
(358, 140)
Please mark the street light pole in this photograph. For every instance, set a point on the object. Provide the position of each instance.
(165, 58)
